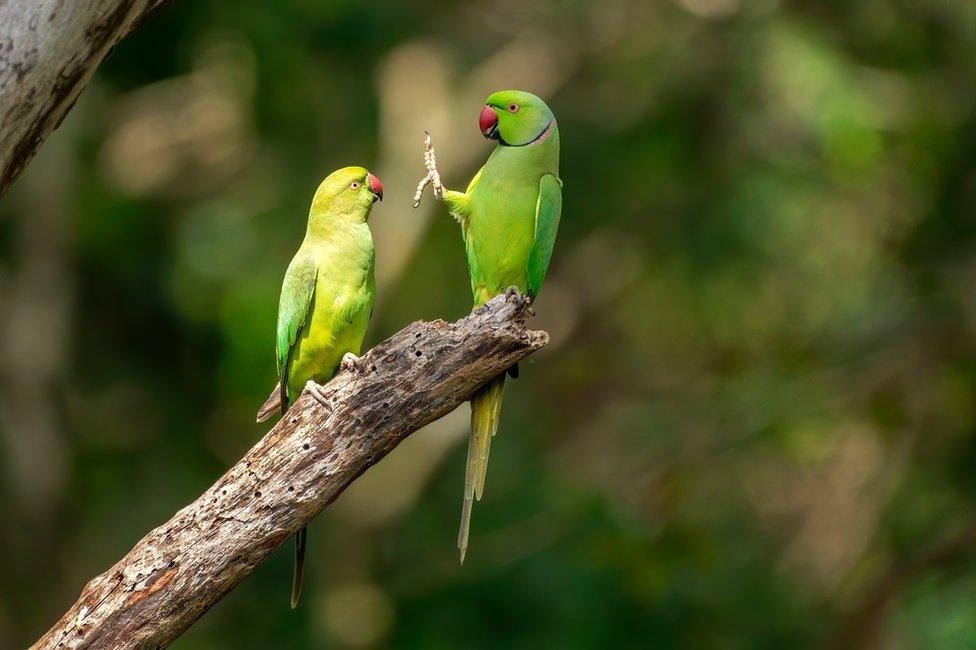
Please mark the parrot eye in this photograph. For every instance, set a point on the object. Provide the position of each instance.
(513, 108)
(354, 185)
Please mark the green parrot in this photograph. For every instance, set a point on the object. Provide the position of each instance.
(326, 299)
(508, 215)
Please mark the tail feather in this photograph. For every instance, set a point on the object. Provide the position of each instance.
(486, 407)
(271, 405)
(296, 583)
(465, 522)
(487, 412)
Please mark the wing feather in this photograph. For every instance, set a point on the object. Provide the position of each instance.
(548, 209)
(294, 308)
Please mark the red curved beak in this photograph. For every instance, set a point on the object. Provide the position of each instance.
(488, 122)
(375, 186)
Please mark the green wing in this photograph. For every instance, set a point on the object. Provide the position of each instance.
(294, 308)
(547, 211)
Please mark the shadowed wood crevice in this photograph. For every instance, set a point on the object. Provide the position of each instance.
(183, 567)
(49, 50)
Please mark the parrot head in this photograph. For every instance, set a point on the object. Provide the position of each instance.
(348, 190)
(515, 118)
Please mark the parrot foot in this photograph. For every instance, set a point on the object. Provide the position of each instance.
(513, 293)
(316, 391)
(349, 362)
(433, 177)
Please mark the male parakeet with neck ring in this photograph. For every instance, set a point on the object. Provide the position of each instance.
(509, 215)
(326, 299)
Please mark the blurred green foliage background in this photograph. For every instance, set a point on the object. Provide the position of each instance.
(755, 426)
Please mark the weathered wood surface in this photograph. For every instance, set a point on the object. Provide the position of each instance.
(49, 50)
(180, 569)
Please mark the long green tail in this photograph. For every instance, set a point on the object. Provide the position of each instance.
(486, 407)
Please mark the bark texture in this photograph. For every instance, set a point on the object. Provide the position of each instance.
(49, 50)
(180, 569)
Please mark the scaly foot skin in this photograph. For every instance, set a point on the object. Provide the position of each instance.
(513, 292)
(520, 299)
(432, 178)
(349, 362)
(316, 391)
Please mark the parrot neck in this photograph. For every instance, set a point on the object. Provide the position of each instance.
(542, 152)
(325, 224)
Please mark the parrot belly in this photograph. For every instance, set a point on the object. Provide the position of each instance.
(340, 316)
(501, 231)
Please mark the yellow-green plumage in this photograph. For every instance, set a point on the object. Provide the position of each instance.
(338, 264)
(327, 295)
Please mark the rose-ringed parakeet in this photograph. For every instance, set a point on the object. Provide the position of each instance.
(509, 215)
(326, 299)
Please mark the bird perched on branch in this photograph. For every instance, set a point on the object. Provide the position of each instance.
(326, 300)
(508, 215)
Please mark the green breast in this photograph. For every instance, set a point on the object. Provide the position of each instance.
(344, 294)
(501, 224)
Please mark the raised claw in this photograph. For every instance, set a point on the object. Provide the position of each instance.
(432, 178)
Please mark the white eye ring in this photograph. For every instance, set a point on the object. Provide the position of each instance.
(354, 185)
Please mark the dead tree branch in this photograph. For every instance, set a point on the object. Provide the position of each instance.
(49, 50)
(180, 569)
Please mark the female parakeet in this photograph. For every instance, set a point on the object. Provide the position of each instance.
(509, 215)
(326, 298)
